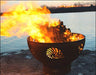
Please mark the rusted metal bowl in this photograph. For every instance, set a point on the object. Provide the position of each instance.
(56, 64)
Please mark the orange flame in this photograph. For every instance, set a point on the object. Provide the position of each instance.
(28, 20)
(36, 22)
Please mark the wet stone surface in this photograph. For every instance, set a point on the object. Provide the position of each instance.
(23, 63)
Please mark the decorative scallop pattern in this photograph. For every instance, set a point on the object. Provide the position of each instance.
(54, 53)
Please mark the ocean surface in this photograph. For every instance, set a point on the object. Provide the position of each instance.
(79, 22)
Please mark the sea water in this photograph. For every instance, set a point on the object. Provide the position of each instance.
(79, 22)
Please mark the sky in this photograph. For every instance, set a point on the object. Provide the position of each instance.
(6, 4)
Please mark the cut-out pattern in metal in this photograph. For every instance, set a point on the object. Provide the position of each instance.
(54, 53)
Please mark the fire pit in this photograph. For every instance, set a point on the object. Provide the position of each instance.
(49, 40)
(56, 57)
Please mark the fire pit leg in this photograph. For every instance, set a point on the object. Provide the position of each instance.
(56, 71)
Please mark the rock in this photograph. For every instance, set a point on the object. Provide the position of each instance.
(23, 63)
(5, 53)
(85, 52)
(83, 64)
(79, 65)
(28, 57)
(80, 74)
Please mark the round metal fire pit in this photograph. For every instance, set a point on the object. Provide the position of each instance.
(56, 57)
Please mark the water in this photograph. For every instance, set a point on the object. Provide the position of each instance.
(81, 22)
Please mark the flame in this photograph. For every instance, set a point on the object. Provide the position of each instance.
(28, 20)
(31, 19)
(72, 36)
(76, 37)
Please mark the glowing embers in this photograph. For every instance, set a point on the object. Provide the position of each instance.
(81, 47)
(54, 53)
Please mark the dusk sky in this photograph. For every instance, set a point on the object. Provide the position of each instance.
(6, 4)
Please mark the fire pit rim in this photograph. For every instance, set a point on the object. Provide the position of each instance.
(58, 42)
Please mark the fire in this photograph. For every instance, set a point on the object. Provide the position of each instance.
(76, 37)
(28, 20)
(36, 22)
